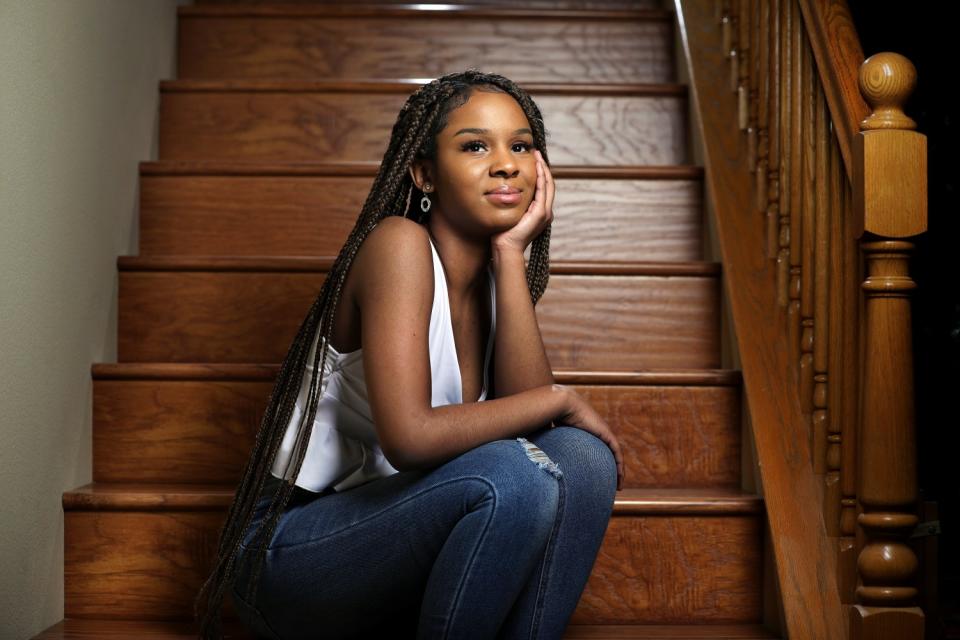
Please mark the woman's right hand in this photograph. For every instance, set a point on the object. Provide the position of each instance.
(578, 413)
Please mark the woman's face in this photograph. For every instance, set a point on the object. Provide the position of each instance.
(487, 143)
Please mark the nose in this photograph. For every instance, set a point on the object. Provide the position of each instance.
(503, 164)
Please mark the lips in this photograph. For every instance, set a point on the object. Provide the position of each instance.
(504, 197)
(504, 189)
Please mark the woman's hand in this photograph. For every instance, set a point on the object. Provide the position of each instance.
(580, 414)
(537, 216)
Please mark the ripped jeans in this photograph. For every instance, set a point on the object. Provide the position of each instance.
(496, 543)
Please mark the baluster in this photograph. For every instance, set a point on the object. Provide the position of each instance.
(787, 29)
(762, 100)
(846, 344)
(773, 129)
(742, 80)
(801, 321)
(753, 80)
(814, 303)
(890, 200)
(726, 31)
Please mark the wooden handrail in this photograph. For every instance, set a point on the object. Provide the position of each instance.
(836, 47)
(816, 177)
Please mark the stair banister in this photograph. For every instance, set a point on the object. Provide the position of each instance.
(815, 259)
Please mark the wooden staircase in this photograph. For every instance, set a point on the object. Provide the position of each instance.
(269, 141)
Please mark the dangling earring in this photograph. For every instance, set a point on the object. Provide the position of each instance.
(425, 200)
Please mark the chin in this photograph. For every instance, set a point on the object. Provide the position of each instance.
(511, 215)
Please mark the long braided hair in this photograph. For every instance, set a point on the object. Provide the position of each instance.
(414, 134)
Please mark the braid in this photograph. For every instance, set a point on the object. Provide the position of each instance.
(413, 136)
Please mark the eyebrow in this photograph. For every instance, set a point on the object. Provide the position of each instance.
(475, 130)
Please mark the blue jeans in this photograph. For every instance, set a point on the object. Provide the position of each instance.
(496, 543)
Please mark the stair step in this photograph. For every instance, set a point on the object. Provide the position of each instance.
(195, 423)
(356, 41)
(617, 316)
(315, 120)
(141, 551)
(80, 629)
(528, 4)
(309, 209)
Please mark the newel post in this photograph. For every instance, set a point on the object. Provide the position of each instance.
(890, 199)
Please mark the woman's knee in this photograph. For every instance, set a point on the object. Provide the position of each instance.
(520, 477)
(575, 447)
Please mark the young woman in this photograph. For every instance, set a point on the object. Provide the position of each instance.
(433, 481)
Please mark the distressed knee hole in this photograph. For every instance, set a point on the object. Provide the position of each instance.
(537, 455)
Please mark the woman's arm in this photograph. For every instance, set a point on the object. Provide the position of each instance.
(442, 433)
(520, 360)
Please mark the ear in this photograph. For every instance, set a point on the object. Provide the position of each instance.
(422, 173)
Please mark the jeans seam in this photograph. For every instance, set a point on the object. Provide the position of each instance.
(257, 612)
(470, 563)
(547, 557)
(380, 512)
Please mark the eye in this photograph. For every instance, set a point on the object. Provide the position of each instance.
(470, 146)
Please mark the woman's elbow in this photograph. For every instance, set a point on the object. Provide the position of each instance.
(401, 446)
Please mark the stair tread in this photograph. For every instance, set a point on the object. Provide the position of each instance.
(370, 168)
(304, 10)
(404, 86)
(86, 629)
(137, 496)
(238, 371)
(698, 268)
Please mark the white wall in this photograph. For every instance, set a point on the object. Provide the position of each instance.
(78, 111)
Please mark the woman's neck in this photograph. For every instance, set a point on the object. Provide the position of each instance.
(465, 260)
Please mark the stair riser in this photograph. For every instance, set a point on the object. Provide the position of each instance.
(202, 431)
(524, 49)
(613, 323)
(595, 219)
(651, 569)
(316, 127)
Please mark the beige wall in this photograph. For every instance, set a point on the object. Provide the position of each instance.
(78, 111)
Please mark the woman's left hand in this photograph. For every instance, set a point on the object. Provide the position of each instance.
(537, 216)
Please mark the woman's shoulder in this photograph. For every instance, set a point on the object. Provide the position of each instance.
(395, 254)
(400, 230)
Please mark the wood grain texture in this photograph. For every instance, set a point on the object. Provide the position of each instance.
(175, 431)
(586, 321)
(137, 565)
(317, 121)
(305, 41)
(146, 562)
(647, 218)
(658, 570)
(202, 430)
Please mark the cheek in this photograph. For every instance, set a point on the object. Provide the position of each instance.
(467, 182)
(528, 200)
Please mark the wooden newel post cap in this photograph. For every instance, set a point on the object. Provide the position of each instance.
(890, 171)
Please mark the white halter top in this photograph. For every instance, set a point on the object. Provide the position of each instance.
(344, 450)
